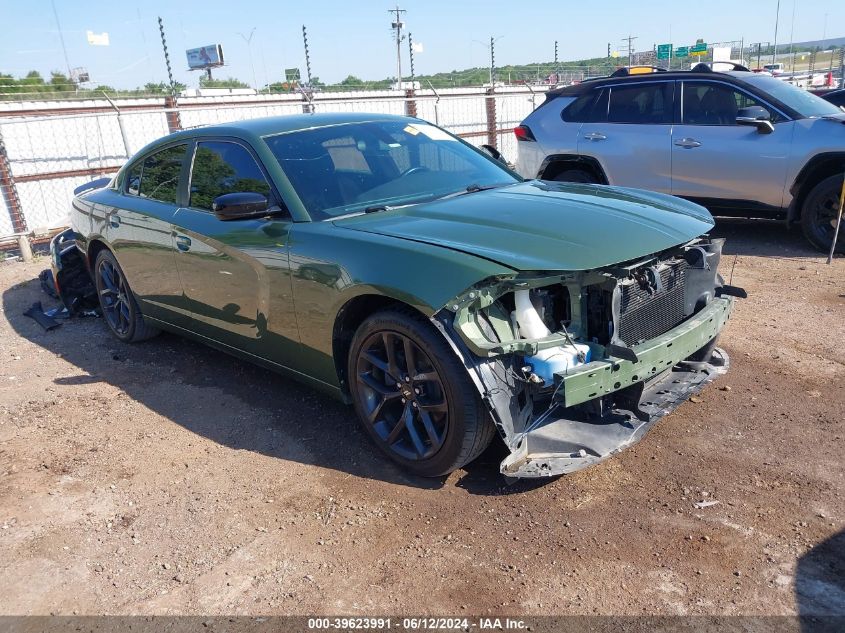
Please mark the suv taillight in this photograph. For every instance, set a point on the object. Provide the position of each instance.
(523, 133)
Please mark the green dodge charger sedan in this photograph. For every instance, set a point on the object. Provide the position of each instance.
(400, 269)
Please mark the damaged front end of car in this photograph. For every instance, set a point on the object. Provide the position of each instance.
(577, 366)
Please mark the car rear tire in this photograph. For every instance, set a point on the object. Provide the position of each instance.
(413, 397)
(819, 214)
(576, 175)
(120, 310)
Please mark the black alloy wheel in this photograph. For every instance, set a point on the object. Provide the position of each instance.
(402, 394)
(413, 395)
(117, 302)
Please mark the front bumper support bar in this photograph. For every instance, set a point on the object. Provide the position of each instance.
(565, 442)
(567, 438)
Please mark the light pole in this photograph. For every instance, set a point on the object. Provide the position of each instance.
(397, 25)
(777, 19)
(248, 41)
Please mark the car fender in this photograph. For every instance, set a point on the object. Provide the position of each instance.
(814, 169)
(332, 266)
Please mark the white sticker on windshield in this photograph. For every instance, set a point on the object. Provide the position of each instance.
(434, 133)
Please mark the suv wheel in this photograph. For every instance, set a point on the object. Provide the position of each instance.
(575, 175)
(819, 214)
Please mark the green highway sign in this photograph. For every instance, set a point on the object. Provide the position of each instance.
(700, 47)
(682, 51)
(664, 51)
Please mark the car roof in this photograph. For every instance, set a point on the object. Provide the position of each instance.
(266, 126)
(578, 89)
(252, 130)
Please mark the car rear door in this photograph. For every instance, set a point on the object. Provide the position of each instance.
(138, 228)
(630, 134)
(235, 274)
(727, 167)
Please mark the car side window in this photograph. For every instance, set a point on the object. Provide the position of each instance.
(579, 110)
(133, 178)
(710, 103)
(222, 167)
(641, 103)
(157, 176)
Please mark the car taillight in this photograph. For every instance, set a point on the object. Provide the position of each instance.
(523, 133)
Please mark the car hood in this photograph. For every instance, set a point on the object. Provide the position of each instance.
(539, 225)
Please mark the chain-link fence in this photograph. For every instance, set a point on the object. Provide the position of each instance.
(47, 150)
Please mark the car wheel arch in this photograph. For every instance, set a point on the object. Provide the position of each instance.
(94, 247)
(812, 173)
(557, 163)
(347, 321)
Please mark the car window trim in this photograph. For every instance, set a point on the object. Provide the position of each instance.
(276, 199)
(124, 185)
(638, 83)
(786, 117)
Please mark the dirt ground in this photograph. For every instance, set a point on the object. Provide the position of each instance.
(168, 478)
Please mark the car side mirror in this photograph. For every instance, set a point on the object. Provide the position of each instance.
(756, 116)
(240, 206)
(493, 153)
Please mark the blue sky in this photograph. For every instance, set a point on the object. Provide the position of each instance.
(354, 37)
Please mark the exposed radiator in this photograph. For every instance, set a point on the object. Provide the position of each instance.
(645, 315)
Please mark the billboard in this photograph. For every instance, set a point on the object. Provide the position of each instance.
(205, 57)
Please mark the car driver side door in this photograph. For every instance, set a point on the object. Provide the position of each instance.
(235, 273)
(728, 167)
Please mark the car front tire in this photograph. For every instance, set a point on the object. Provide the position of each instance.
(117, 303)
(413, 396)
(819, 214)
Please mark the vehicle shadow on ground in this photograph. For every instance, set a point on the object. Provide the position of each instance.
(820, 586)
(260, 411)
(762, 238)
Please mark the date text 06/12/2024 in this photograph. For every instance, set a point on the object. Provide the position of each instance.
(416, 624)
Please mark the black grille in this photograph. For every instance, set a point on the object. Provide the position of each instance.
(644, 315)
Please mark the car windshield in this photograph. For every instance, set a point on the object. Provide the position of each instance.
(803, 102)
(341, 169)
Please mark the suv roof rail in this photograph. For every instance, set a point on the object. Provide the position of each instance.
(707, 67)
(626, 70)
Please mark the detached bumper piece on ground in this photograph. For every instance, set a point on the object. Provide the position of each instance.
(67, 280)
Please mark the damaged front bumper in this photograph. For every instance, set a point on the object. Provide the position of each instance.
(602, 407)
(656, 384)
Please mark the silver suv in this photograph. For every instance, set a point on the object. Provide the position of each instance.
(739, 143)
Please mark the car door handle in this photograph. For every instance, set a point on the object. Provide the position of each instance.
(595, 136)
(688, 143)
(114, 220)
(183, 243)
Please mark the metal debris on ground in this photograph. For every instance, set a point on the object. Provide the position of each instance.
(706, 504)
